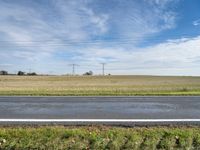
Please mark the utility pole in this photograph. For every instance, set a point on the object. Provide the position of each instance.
(73, 68)
(103, 68)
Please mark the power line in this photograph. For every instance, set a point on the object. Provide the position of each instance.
(44, 43)
(68, 40)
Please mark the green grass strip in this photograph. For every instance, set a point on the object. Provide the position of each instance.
(92, 137)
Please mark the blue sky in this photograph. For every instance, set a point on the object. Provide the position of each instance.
(154, 37)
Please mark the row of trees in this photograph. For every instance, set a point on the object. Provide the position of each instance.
(19, 73)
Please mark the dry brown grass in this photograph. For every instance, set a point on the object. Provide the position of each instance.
(99, 85)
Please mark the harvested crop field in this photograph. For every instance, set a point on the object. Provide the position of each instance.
(99, 85)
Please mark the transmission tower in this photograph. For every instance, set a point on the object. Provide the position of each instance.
(73, 68)
(103, 68)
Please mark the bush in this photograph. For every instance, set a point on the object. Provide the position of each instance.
(32, 74)
(89, 73)
(20, 73)
(3, 72)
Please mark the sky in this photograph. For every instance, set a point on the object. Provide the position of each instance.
(139, 37)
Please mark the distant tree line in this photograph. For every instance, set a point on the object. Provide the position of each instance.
(19, 73)
(22, 73)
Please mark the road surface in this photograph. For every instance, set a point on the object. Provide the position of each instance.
(111, 110)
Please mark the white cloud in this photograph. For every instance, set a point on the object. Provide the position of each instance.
(135, 21)
(32, 33)
(67, 19)
(100, 21)
(177, 55)
(196, 22)
(173, 57)
(161, 3)
(79, 21)
(38, 37)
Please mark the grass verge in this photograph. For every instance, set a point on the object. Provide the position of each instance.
(99, 137)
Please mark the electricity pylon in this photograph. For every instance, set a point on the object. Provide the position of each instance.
(103, 68)
(73, 68)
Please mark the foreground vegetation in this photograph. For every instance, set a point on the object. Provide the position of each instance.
(99, 85)
(114, 138)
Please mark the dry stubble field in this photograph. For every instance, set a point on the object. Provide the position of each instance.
(99, 85)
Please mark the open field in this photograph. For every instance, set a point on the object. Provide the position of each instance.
(99, 138)
(98, 85)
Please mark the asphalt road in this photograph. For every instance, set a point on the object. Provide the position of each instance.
(115, 110)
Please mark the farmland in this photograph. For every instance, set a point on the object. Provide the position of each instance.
(99, 85)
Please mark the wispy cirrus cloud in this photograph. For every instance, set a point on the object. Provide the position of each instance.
(49, 35)
(79, 20)
(137, 19)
